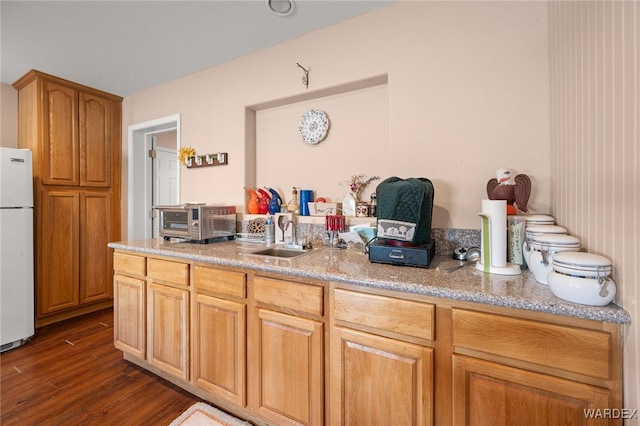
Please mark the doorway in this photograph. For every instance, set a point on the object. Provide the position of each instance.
(153, 173)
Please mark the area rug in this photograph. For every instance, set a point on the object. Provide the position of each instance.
(201, 414)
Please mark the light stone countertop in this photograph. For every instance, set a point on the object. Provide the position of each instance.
(353, 267)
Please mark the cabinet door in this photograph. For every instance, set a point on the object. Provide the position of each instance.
(379, 381)
(60, 130)
(95, 256)
(219, 347)
(168, 329)
(129, 315)
(95, 140)
(57, 274)
(290, 370)
(486, 393)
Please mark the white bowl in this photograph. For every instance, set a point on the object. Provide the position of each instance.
(579, 278)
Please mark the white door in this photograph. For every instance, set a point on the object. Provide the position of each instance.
(141, 174)
(165, 180)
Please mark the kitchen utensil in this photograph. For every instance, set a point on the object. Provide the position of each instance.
(468, 256)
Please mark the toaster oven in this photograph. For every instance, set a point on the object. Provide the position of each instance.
(197, 222)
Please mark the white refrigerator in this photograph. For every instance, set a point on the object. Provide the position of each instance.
(16, 248)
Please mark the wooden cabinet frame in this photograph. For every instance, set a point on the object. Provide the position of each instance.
(74, 134)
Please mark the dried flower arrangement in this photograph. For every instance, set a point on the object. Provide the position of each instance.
(358, 183)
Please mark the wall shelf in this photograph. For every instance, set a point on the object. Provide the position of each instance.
(208, 160)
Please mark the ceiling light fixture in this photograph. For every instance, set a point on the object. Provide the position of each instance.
(281, 7)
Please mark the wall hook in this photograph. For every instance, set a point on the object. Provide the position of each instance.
(305, 79)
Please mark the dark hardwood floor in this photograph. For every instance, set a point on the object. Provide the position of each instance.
(71, 374)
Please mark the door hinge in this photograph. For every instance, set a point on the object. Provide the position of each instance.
(152, 153)
(152, 214)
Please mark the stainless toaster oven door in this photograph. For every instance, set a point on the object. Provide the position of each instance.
(174, 222)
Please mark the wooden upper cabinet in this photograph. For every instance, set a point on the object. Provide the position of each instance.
(60, 128)
(95, 140)
(79, 132)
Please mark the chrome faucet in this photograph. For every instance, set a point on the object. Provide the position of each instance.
(295, 244)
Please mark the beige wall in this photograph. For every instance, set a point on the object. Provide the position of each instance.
(8, 116)
(466, 93)
(595, 145)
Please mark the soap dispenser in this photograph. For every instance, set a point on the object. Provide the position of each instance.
(293, 204)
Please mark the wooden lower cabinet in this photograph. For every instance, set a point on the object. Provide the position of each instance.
(129, 315)
(74, 255)
(279, 350)
(379, 381)
(59, 252)
(130, 302)
(219, 347)
(168, 329)
(491, 394)
(95, 234)
(289, 368)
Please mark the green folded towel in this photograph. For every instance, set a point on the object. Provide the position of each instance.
(405, 208)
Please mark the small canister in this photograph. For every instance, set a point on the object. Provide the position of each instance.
(533, 230)
(373, 205)
(269, 232)
(362, 209)
(583, 278)
(515, 240)
(543, 249)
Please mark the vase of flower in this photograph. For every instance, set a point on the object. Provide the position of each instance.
(357, 185)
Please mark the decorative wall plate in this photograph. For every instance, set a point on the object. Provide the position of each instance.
(313, 126)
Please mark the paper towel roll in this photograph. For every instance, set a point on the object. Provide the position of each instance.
(496, 210)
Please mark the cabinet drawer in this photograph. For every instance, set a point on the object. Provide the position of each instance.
(402, 316)
(289, 295)
(562, 347)
(220, 281)
(168, 271)
(129, 264)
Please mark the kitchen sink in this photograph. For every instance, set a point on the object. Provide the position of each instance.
(280, 252)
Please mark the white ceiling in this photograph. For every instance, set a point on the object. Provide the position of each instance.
(124, 47)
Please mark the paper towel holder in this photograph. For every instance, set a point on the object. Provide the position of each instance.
(493, 214)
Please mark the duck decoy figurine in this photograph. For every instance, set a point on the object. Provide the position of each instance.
(514, 189)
